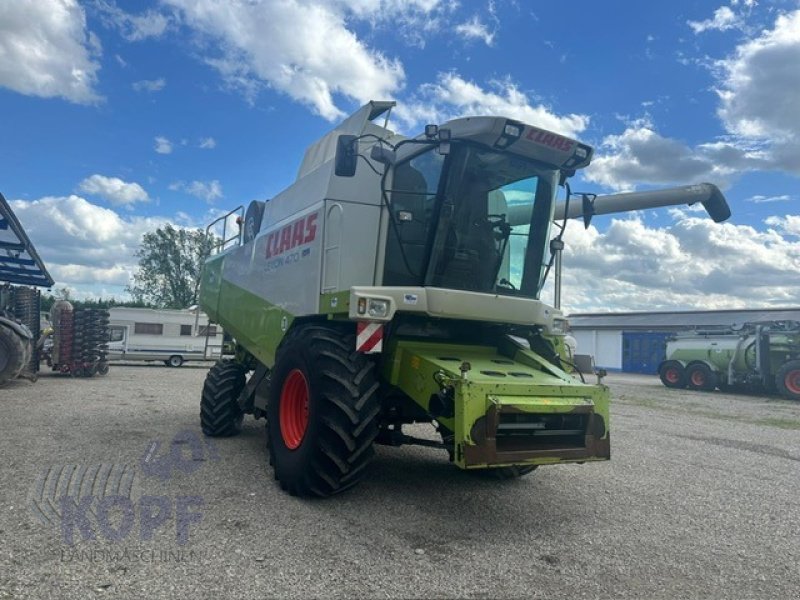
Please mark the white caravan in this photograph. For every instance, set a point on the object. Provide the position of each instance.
(171, 336)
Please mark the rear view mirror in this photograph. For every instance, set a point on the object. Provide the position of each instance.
(346, 156)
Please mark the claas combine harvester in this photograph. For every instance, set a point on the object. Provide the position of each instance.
(398, 281)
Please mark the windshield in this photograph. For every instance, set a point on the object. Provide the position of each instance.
(479, 221)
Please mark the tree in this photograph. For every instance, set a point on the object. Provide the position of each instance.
(170, 264)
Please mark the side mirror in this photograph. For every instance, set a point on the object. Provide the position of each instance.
(346, 156)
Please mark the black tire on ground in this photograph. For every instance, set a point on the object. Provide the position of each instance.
(252, 220)
(174, 361)
(14, 354)
(700, 377)
(672, 374)
(102, 368)
(322, 416)
(787, 380)
(504, 473)
(220, 415)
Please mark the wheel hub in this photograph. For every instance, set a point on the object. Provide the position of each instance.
(293, 410)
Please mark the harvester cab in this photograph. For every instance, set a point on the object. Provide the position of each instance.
(398, 281)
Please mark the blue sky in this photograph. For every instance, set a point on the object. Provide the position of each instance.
(120, 116)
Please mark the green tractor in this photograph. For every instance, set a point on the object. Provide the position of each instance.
(398, 281)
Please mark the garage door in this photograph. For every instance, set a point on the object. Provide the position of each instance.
(642, 352)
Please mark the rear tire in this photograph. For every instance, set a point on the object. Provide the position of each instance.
(14, 354)
(701, 378)
(787, 380)
(322, 416)
(220, 415)
(672, 374)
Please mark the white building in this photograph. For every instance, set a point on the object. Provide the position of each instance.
(635, 342)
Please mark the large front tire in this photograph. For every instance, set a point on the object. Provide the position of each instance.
(322, 416)
(220, 415)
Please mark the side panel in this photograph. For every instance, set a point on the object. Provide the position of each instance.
(353, 227)
(282, 265)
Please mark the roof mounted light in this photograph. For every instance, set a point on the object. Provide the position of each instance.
(511, 133)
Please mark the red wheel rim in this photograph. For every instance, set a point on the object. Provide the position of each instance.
(294, 409)
(792, 381)
(672, 375)
(698, 378)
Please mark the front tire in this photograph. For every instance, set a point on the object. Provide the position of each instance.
(220, 415)
(322, 416)
(787, 380)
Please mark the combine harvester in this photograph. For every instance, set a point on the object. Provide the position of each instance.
(22, 272)
(398, 281)
(762, 356)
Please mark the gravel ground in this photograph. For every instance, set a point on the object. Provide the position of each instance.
(700, 500)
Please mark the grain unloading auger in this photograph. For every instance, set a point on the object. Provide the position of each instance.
(397, 281)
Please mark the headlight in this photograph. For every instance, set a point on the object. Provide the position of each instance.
(378, 308)
(560, 327)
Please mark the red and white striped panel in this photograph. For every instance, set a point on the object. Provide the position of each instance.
(369, 337)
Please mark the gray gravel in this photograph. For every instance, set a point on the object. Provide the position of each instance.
(700, 500)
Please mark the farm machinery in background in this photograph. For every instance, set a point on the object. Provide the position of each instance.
(79, 340)
(22, 272)
(76, 343)
(398, 281)
(761, 356)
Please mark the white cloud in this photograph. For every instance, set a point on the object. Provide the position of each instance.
(759, 89)
(208, 143)
(83, 243)
(47, 51)
(692, 264)
(452, 96)
(163, 145)
(115, 190)
(134, 28)
(641, 155)
(205, 190)
(759, 199)
(302, 48)
(724, 18)
(149, 85)
(475, 29)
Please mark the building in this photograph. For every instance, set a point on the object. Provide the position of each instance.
(635, 342)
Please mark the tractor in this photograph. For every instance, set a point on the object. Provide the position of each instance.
(399, 281)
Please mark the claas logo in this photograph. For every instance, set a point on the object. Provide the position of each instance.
(302, 231)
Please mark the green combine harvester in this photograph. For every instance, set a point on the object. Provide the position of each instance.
(398, 281)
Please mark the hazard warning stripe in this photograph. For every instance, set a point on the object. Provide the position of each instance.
(369, 337)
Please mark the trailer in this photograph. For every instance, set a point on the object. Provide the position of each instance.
(761, 356)
(169, 336)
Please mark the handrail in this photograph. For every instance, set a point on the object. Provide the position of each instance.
(222, 244)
